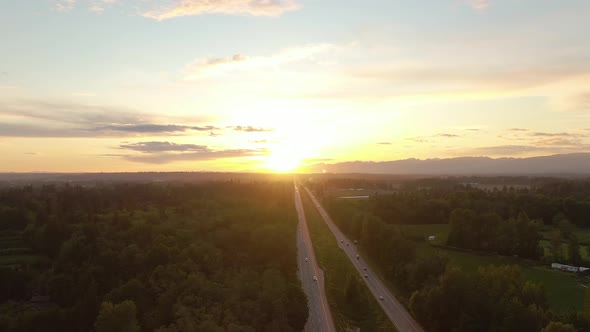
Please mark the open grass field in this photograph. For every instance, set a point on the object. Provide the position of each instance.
(338, 270)
(422, 232)
(563, 290)
(357, 192)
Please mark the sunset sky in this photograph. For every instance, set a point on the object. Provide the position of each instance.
(257, 85)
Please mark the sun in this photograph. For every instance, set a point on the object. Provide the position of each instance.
(283, 161)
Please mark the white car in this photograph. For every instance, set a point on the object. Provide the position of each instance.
(381, 298)
(315, 278)
(306, 259)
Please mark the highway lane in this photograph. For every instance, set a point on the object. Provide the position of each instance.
(396, 312)
(320, 316)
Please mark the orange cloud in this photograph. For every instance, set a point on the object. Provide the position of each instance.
(200, 7)
(479, 4)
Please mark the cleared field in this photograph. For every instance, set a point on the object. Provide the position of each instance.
(422, 232)
(367, 314)
(563, 290)
(357, 192)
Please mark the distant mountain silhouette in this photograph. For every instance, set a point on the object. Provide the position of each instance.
(577, 163)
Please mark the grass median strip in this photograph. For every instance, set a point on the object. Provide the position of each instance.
(351, 302)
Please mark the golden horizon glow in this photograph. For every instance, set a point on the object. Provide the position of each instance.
(361, 87)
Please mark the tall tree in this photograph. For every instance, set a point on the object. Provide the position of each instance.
(574, 251)
(120, 317)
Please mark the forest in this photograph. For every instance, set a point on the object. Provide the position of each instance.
(505, 221)
(150, 257)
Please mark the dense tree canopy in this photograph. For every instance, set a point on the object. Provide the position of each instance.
(505, 221)
(209, 257)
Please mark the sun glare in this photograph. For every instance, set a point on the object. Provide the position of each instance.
(283, 161)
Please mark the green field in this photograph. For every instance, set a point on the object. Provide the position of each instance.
(422, 232)
(357, 192)
(338, 270)
(563, 290)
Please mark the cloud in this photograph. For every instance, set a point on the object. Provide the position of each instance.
(558, 141)
(238, 63)
(518, 129)
(28, 130)
(220, 61)
(65, 5)
(250, 129)
(166, 152)
(544, 134)
(445, 135)
(151, 147)
(232, 7)
(97, 9)
(450, 76)
(431, 139)
(384, 143)
(153, 128)
(71, 113)
(479, 5)
(54, 119)
(581, 102)
(419, 139)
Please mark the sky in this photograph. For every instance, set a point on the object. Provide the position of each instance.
(274, 85)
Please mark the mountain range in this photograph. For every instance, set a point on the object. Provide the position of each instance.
(561, 164)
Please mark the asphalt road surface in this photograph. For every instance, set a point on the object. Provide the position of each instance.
(320, 317)
(396, 312)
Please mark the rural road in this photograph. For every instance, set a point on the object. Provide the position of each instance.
(396, 312)
(320, 317)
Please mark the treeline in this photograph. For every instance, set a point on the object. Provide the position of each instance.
(431, 201)
(445, 299)
(488, 232)
(434, 205)
(496, 298)
(209, 257)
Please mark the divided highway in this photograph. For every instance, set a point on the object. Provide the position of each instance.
(312, 277)
(396, 312)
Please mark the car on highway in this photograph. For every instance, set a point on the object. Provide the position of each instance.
(357, 256)
(381, 298)
(366, 275)
(315, 278)
(306, 259)
(365, 269)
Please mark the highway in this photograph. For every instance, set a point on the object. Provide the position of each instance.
(320, 317)
(396, 312)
